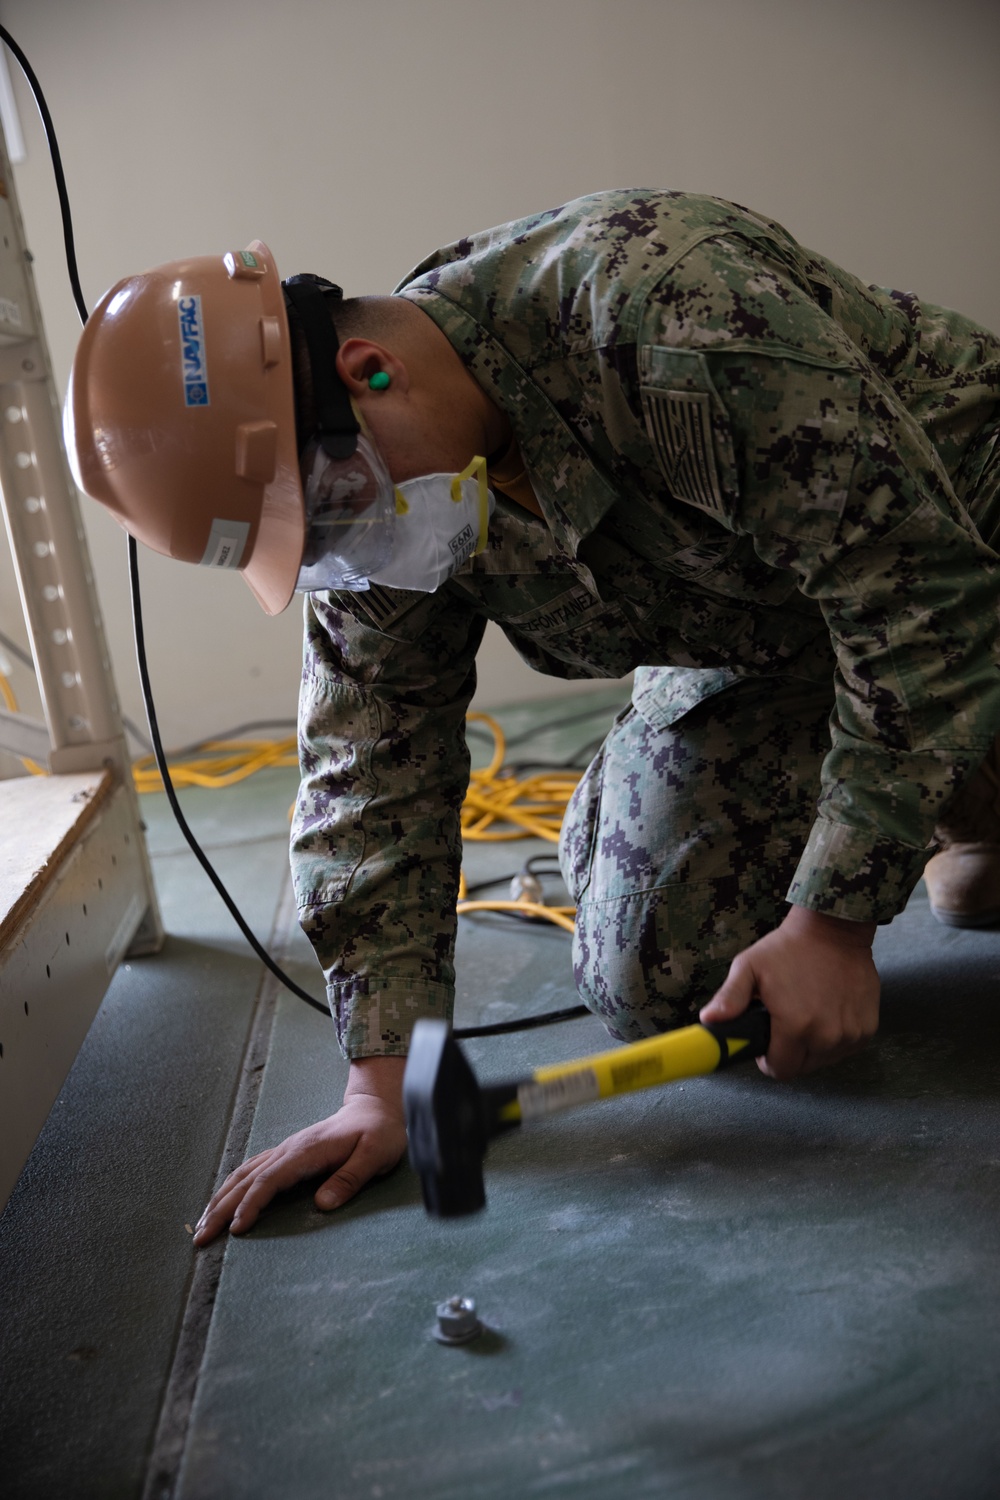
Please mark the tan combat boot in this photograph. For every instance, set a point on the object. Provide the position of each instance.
(963, 881)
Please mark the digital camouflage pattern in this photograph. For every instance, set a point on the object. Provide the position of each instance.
(680, 842)
(753, 469)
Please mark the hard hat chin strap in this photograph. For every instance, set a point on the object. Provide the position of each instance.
(336, 425)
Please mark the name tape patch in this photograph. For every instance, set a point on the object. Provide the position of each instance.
(194, 366)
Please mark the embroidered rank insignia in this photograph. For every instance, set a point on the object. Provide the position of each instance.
(679, 425)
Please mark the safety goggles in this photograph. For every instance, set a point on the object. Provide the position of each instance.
(361, 529)
(350, 517)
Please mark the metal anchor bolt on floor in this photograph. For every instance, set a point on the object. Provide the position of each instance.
(457, 1322)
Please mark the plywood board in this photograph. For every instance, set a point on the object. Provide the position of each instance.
(41, 818)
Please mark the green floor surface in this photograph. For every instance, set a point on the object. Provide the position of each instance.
(729, 1289)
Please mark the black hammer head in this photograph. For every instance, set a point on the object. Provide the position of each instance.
(445, 1122)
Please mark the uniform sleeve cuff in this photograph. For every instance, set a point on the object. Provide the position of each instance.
(855, 873)
(375, 1017)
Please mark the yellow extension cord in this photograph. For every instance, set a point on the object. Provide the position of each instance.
(10, 699)
(498, 806)
(224, 763)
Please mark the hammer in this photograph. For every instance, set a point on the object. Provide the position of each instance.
(451, 1117)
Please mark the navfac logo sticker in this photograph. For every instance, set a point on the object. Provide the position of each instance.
(193, 364)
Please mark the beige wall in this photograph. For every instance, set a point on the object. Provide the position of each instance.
(355, 135)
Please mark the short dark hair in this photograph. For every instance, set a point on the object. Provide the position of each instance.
(353, 317)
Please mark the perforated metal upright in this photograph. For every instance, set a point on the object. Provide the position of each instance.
(76, 890)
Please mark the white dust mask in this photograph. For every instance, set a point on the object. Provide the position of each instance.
(441, 520)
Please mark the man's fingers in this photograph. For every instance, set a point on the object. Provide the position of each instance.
(222, 1205)
(364, 1139)
(225, 1204)
(251, 1187)
(360, 1167)
(285, 1170)
(218, 1214)
(338, 1189)
(258, 1195)
(210, 1225)
(816, 1060)
(733, 996)
(785, 1059)
(239, 1175)
(791, 1057)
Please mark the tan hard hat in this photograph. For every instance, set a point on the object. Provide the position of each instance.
(180, 417)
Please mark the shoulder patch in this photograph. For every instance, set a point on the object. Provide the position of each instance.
(688, 429)
(679, 426)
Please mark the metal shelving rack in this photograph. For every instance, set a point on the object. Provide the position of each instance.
(76, 889)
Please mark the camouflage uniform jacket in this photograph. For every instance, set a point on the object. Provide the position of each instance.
(749, 463)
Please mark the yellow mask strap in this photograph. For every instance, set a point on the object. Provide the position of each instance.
(476, 469)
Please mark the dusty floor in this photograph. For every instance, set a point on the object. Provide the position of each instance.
(728, 1289)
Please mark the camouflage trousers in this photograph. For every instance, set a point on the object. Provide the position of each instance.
(681, 840)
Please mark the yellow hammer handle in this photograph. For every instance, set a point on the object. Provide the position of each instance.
(687, 1053)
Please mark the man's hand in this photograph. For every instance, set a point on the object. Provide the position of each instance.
(816, 976)
(364, 1139)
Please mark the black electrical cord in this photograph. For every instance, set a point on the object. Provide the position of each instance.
(531, 864)
(229, 734)
(527, 1023)
(560, 723)
(548, 1018)
(235, 733)
(133, 560)
(60, 176)
(23, 656)
(168, 787)
(498, 1029)
(528, 734)
(585, 754)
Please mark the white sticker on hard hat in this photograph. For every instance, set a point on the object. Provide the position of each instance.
(226, 542)
(194, 368)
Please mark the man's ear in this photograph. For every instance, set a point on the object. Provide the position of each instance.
(359, 359)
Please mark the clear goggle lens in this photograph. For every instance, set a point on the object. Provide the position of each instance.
(351, 517)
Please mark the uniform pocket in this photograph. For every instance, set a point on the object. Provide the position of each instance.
(663, 695)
